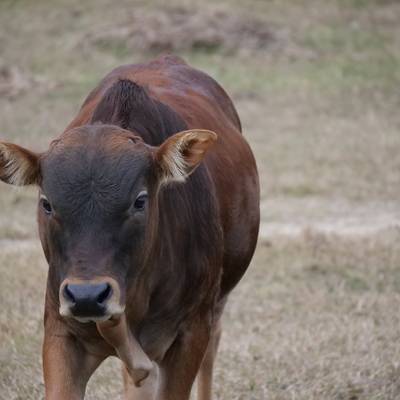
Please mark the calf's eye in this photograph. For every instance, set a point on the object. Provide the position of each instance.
(45, 204)
(141, 200)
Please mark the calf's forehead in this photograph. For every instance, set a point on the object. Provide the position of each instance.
(102, 166)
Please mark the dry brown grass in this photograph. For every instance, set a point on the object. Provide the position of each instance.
(320, 322)
(316, 316)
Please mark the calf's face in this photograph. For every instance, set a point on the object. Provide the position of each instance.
(96, 185)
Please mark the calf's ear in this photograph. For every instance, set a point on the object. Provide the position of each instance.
(18, 166)
(181, 153)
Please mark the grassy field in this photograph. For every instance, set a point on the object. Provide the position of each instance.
(316, 84)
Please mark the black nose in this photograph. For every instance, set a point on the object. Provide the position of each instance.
(88, 300)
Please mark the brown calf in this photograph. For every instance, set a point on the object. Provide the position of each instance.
(145, 234)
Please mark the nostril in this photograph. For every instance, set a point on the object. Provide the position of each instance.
(69, 295)
(105, 294)
(86, 299)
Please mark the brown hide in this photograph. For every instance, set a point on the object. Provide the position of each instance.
(169, 328)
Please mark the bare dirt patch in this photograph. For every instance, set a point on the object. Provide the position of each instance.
(180, 28)
(13, 81)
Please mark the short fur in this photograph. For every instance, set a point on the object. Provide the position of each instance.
(128, 105)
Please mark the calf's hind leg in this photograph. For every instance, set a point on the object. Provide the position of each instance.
(205, 375)
(182, 361)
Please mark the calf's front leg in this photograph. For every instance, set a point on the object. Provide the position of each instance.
(67, 367)
(141, 375)
(149, 390)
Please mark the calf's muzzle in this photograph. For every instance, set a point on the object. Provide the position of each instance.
(90, 300)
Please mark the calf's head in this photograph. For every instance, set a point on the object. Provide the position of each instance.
(96, 184)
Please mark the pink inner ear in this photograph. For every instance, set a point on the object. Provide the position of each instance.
(18, 166)
(193, 153)
(180, 154)
(197, 147)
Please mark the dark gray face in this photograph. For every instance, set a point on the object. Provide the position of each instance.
(92, 217)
